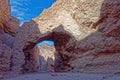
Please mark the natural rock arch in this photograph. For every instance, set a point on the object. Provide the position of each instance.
(60, 38)
(29, 40)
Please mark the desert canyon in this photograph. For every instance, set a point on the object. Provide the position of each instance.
(86, 34)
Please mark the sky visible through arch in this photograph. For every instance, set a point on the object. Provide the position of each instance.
(25, 10)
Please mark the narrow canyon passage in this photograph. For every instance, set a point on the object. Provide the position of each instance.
(41, 58)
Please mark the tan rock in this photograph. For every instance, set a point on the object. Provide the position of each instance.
(4, 12)
(8, 23)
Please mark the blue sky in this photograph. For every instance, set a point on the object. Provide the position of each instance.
(51, 43)
(25, 10)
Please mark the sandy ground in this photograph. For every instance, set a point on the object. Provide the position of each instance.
(64, 76)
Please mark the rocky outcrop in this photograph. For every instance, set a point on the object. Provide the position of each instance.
(12, 26)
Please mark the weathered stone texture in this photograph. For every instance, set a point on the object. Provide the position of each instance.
(4, 13)
(5, 58)
(31, 60)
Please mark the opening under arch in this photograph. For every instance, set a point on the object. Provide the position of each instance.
(61, 58)
(48, 42)
(46, 52)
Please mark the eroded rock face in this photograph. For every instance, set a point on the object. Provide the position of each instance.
(4, 13)
(31, 60)
(8, 29)
(12, 26)
(5, 58)
(8, 23)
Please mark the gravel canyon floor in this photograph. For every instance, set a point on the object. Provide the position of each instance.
(66, 76)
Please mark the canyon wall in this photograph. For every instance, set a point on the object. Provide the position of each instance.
(8, 28)
(86, 34)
